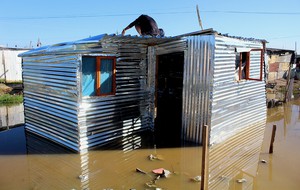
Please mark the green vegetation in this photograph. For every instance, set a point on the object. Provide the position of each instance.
(3, 81)
(7, 99)
(9, 94)
(296, 90)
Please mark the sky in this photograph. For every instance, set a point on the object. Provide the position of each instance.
(23, 23)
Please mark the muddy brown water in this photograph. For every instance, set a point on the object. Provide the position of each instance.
(30, 162)
(282, 170)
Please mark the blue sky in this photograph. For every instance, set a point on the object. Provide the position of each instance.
(22, 22)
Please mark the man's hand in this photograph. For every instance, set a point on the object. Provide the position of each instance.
(123, 32)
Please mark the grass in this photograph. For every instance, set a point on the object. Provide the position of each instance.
(7, 99)
(3, 81)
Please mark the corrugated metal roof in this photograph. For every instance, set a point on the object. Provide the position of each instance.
(276, 50)
(14, 48)
(84, 44)
(80, 46)
(211, 31)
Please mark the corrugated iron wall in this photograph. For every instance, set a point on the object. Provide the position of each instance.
(238, 114)
(102, 119)
(172, 47)
(151, 81)
(56, 109)
(235, 105)
(197, 87)
(51, 97)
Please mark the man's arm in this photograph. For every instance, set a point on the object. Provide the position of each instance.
(130, 25)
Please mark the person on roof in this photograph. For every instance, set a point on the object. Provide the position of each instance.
(145, 25)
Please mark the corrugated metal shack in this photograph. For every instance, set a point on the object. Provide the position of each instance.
(84, 93)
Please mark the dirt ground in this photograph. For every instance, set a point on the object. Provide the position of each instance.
(4, 89)
(15, 89)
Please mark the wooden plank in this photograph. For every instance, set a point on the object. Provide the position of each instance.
(272, 139)
(204, 169)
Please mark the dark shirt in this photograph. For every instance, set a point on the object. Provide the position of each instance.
(147, 24)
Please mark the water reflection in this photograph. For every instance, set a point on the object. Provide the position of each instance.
(30, 162)
(11, 116)
(46, 165)
(236, 159)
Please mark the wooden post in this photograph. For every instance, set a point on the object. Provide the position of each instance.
(4, 66)
(289, 91)
(204, 179)
(272, 139)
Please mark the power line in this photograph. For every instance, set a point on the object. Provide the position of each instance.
(255, 12)
(154, 13)
(88, 16)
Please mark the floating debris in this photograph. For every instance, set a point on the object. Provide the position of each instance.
(157, 178)
(159, 171)
(155, 157)
(166, 173)
(153, 186)
(151, 157)
(241, 180)
(83, 177)
(263, 161)
(141, 171)
(197, 178)
(150, 184)
(162, 172)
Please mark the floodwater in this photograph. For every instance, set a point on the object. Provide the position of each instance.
(30, 162)
(282, 170)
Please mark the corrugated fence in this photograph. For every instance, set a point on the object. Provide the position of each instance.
(238, 116)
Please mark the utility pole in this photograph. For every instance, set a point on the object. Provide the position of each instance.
(4, 67)
(39, 44)
(289, 82)
(199, 19)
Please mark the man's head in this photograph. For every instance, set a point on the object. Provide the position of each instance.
(161, 32)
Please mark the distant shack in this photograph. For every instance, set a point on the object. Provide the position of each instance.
(279, 61)
(84, 93)
(280, 67)
(11, 64)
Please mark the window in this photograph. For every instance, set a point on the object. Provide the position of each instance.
(249, 65)
(98, 75)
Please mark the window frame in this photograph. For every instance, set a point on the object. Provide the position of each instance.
(97, 72)
(248, 65)
(98, 75)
